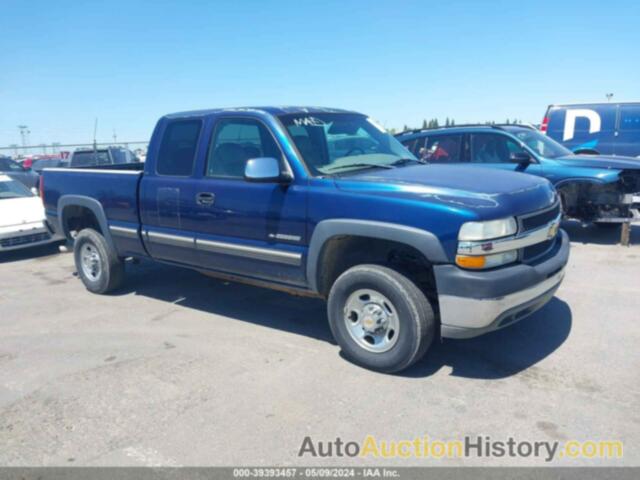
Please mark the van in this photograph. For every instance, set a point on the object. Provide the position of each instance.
(595, 128)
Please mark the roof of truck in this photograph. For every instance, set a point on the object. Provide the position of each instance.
(273, 110)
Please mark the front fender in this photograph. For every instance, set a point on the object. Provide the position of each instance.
(423, 241)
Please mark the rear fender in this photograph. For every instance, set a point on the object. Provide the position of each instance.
(91, 204)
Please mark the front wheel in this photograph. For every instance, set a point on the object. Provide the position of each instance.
(380, 318)
(97, 263)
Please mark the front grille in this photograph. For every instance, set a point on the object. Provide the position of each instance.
(24, 239)
(534, 251)
(537, 220)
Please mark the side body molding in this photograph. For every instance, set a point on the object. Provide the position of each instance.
(422, 240)
(92, 204)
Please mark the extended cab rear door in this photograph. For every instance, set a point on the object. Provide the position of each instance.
(167, 191)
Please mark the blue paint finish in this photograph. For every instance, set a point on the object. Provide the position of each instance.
(278, 219)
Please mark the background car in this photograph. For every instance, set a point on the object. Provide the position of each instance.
(26, 176)
(39, 165)
(102, 157)
(598, 189)
(22, 218)
(593, 128)
(30, 161)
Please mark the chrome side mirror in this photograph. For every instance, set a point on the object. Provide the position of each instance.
(265, 170)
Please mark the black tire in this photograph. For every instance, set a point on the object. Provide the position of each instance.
(417, 323)
(111, 272)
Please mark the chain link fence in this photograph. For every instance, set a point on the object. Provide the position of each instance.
(18, 152)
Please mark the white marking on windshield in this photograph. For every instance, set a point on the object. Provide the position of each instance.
(308, 121)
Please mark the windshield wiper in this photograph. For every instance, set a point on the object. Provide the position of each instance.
(375, 165)
(404, 161)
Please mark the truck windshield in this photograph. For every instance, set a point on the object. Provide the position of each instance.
(539, 143)
(13, 189)
(341, 142)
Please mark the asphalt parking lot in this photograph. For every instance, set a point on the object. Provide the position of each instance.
(181, 369)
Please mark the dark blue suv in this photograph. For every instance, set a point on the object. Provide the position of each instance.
(598, 189)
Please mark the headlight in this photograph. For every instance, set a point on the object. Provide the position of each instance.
(478, 262)
(472, 231)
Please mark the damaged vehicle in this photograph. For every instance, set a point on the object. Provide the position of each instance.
(604, 190)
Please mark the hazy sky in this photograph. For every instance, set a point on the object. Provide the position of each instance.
(63, 63)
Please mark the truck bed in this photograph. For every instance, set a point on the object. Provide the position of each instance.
(109, 192)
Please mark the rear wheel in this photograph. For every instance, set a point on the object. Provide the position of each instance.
(380, 318)
(97, 263)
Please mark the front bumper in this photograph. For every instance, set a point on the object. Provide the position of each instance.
(474, 303)
(26, 237)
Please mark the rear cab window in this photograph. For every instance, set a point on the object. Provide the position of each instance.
(178, 148)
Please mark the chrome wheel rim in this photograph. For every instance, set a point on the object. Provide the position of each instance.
(371, 320)
(90, 262)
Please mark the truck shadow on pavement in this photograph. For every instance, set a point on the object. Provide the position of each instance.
(502, 353)
(260, 306)
(496, 355)
(598, 235)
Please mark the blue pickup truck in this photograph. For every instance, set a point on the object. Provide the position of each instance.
(593, 189)
(322, 202)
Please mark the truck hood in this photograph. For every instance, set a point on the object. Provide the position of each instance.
(490, 193)
(600, 161)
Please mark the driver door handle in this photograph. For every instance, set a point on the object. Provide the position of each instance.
(205, 198)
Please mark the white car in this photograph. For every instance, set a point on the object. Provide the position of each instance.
(22, 220)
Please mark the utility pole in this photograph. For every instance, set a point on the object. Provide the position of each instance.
(24, 136)
(115, 137)
(609, 96)
(95, 133)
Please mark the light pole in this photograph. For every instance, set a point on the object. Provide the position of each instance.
(24, 133)
(609, 96)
